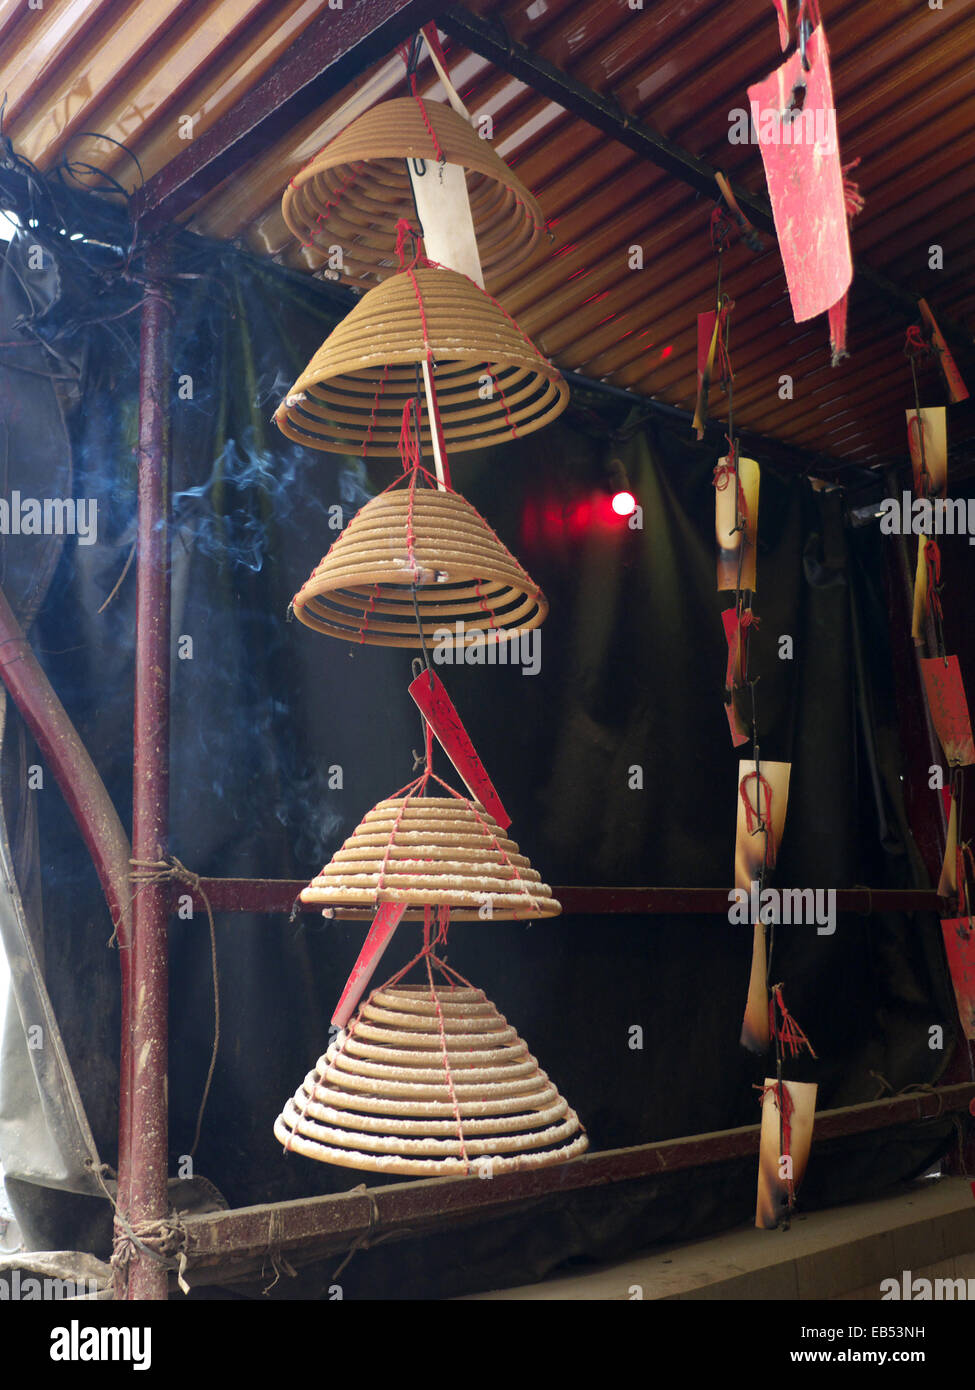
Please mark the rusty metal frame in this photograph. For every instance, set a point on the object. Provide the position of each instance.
(312, 1228)
(280, 895)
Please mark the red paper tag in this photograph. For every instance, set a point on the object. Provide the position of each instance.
(783, 17)
(732, 632)
(385, 922)
(960, 950)
(438, 710)
(738, 736)
(957, 390)
(805, 180)
(949, 709)
(705, 332)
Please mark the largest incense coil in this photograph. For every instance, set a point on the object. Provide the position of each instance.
(363, 589)
(431, 851)
(353, 193)
(492, 383)
(395, 1095)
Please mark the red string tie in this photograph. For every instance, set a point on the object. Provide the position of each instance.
(915, 343)
(754, 821)
(789, 1034)
(724, 472)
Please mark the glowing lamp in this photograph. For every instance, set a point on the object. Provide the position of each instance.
(624, 503)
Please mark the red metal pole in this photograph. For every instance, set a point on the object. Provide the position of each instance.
(279, 896)
(144, 1166)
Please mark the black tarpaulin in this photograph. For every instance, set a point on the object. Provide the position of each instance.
(631, 675)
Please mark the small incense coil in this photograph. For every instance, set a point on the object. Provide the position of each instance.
(431, 851)
(353, 193)
(362, 590)
(423, 1113)
(492, 383)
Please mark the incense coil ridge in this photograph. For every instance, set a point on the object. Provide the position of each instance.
(492, 383)
(363, 589)
(430, 851)
(355, 190)
(430, 1113)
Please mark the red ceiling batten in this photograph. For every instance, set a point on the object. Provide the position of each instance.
(672, 74)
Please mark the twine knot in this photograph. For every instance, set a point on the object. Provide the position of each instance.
(162, 1240)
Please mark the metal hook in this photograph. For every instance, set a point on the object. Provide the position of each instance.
(413, 60)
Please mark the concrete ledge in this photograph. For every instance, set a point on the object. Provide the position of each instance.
(837, 1254)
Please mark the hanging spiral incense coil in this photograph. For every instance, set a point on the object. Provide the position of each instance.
(430, 1083)
(356, 189)
(492, 383)
(436, 851)
(363, 589)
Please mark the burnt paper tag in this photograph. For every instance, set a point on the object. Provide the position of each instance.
(741, 502)
(932, 425)
(735, 675)
(788, 1110)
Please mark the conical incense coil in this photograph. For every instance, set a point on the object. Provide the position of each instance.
(492, 383)
(415, 540)
(429, 1083)
(431, 851)
(357, 188)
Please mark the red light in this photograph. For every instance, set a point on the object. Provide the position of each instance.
(624, 503)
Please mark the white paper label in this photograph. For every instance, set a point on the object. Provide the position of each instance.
(444, 209)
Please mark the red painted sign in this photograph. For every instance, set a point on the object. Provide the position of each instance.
(959, 934)
(949, 708)
(385, 922)
(438, 710)
(795, 119)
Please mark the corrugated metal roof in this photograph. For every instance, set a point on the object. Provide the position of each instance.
(904, 77)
